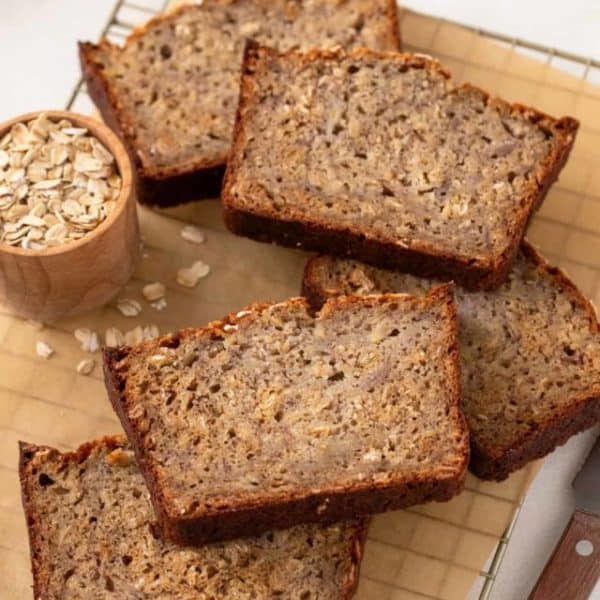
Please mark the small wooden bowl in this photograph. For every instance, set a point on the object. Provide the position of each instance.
(84, 274)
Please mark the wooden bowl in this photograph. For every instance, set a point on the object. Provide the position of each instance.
(80, 275)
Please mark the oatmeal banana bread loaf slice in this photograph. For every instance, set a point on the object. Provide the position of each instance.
(92, 535)
(172, 90)
(275, 416)
(381, 157)
(530, 354)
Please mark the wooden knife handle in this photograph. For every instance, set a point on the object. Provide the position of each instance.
(568, 573)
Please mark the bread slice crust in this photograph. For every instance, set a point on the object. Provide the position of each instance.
(194, 179)
(420, 256)
(245, 516)
(39, 550)
(494, 461)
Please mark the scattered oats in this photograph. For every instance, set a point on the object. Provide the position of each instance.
(114, 337)
(193, 234)
(150, 331)
(135, 336)
(88, 339)
(243, 313)
(86, 366)
(160, 304)
(186, 278)
(129, 307)
(189, 276)
(50, 173)
(154, 291)
(44, 350)
(200, 269)
(230, 327)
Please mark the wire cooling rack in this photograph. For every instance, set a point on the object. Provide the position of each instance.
(567, 227)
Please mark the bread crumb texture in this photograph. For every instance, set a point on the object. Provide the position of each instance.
(279, 403)
(387, 147)
(530, 350)
(91, 523)
(175, 84)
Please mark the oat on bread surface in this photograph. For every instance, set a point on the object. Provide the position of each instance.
(530, 354)
(276, 416)
(379, 156)
(172, 89)
(92, 535)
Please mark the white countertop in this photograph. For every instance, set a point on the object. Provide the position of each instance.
(40, 68)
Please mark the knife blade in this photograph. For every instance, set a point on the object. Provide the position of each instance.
(574, 567)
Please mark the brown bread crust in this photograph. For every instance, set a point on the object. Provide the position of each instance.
(556, 431)
(169, 186)
(497, 463)
(35, 532)
(423, 259)
(247, 518)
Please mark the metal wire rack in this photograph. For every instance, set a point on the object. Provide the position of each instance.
(126, 15)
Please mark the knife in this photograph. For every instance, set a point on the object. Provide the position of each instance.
(574, 567)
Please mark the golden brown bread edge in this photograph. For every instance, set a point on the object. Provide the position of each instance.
(168, 186)
(422, 259)
(41, 576)
(248, 519)
(497, 463)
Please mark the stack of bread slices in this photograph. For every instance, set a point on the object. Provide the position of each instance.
(430, 337)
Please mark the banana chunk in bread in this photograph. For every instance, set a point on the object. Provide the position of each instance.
(172, 90)
(276, 416)
(379, 156)
(530, 354)
(92, 536)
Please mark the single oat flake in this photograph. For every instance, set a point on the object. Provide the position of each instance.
(44, 350)
(88, 339)
(154, 291)
(86, 366)
(114, 337)
(129, 308)
(190, 276)
(193, 234)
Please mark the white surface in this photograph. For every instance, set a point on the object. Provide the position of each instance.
(39, 66)
(546, 511)
(568, 25)
(38, 57)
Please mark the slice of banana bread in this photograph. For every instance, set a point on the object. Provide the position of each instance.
(275, 416)
(379, 156)
(172, 90)
(92, 535)
(530, 354)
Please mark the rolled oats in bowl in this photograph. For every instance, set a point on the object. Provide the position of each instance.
(57, 183)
